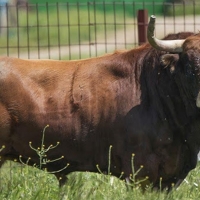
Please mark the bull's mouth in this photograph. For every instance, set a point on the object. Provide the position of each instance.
(198, 100)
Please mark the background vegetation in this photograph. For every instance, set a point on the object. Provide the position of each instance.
(157, 6)
(45, 26)
(48, 24)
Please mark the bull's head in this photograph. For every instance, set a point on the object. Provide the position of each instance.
(185, 52)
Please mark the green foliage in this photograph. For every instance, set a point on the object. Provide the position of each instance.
(23, 182)
(153, 6)
(85, 1)
(183, 8)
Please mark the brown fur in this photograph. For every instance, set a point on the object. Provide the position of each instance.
(130, 100)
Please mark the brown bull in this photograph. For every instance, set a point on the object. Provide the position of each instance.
(142, 101)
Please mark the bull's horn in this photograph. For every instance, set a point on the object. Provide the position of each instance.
(173, 46)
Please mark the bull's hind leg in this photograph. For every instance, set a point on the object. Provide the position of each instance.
(5, 139)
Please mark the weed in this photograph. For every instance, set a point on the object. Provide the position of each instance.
(42, 154)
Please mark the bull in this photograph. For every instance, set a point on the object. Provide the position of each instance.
(144, 102)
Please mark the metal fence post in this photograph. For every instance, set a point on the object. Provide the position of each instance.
(142, 19)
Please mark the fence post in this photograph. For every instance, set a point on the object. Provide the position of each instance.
(142, 19)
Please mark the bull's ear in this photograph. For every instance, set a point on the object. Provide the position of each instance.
(169, 60)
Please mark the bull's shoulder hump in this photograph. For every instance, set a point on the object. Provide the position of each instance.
(118, 64)
(28, 65)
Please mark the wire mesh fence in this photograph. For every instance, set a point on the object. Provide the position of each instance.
(80, 30)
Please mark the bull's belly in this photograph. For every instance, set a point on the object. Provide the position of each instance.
(82, 151)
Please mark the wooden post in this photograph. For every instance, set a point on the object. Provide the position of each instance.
(142, 19)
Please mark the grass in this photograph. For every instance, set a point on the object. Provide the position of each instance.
(23, 182)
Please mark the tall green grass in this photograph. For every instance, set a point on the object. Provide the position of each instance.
(23, 182)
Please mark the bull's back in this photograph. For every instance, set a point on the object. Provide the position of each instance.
(34, 86)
